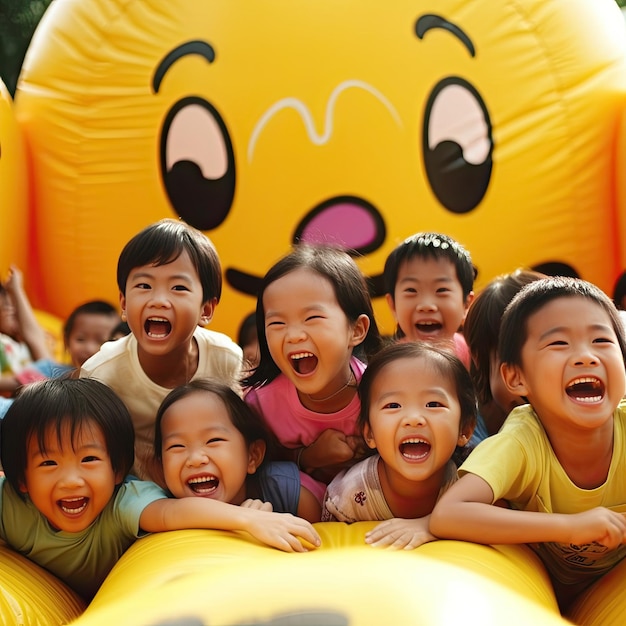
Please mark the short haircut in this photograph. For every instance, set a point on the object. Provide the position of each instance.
(349, 286)
(93, 307)
(430, 246)
(244, 418)
(56, 404)
(619, 290)
(247, 332)
(536, 295)
(482, 325)
(442, 360)
(163, 242)
(122, 328)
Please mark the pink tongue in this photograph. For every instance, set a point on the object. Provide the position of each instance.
(158, 328)
(345, 223)
(75, 504)
(415, 450)
(583, 390)
(306, 365)
(209, 485)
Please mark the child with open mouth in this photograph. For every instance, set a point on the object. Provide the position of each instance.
(418, 412)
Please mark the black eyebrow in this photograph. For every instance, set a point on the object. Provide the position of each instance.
(199, 47)
(430, 20)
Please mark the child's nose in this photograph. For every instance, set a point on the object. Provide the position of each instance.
(71, 478)
(160, 297)
(414, 418)
(585, 357)
(426, 304)
(295, 333)
(198, 457)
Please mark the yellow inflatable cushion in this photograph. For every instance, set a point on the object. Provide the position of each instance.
(31, 596)
(213, 577)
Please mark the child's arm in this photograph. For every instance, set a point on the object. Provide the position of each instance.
(401, 534)
(309, 507)
(32, 332)
(280, 530)
(8, 384)
(466, 512)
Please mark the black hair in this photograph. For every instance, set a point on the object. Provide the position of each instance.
(482, 325)
(247, 332)
(536, 295)
(52, 406)
(443, 361)
(93, 307)
(121, 329)
(434, 246)
(619, 290)
(244, 418)
(162, 243)
(349, 286)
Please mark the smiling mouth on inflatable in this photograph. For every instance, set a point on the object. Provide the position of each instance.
(346, 221)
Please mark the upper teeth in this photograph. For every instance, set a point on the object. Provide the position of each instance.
(583, 380)
(201, 479)
(157, 319)
(301, 355)
(415, 440)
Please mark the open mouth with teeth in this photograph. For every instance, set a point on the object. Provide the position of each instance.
(157, 327)
(203, 485)
(586, 389)
(303, 362)
(415, 449)
(73, 506)
(428, 327)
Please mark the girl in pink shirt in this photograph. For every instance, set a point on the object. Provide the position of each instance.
(313, 311)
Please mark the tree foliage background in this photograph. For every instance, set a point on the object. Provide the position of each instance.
(18, 19)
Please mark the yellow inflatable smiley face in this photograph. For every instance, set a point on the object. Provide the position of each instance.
(358, 123)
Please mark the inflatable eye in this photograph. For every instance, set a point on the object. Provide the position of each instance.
(457, 145)
(197, 163)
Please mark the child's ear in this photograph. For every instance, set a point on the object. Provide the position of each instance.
(513, 378)
(23, 487)
(119, 477)
(123, 306)
(391, 304)
(468, 301)
(360, 329)
(369, 436)
(256, 454)
(208, 308)
(465, 435)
